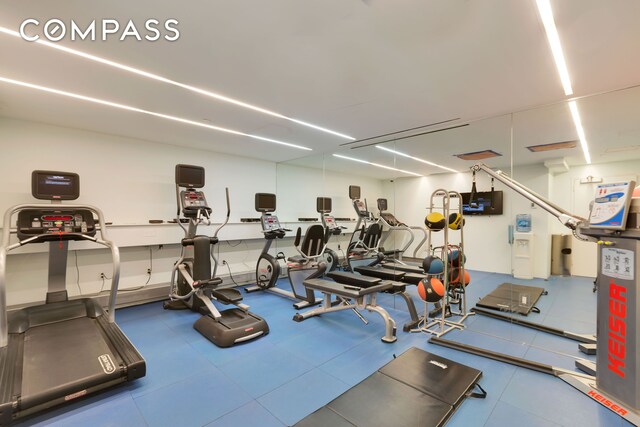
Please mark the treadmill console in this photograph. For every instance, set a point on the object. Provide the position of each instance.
(360, 208)
(390, 219)
(55, 224)
(270, 223)
(192, 201)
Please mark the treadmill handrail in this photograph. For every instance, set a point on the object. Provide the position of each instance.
(6, 247)
(421, 242)
(400, 227)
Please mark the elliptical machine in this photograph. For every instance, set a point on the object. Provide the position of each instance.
(323, 207)
(307, 265)
(363, 246)
(193, 282)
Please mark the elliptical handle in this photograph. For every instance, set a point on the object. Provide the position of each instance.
(226, 220)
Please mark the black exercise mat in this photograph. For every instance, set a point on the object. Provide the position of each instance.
(512, 298)
(415, 389)
(436, 376)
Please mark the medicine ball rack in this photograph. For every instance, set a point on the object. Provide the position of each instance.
(440, 200)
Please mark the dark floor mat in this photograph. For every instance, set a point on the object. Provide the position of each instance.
(512, 298)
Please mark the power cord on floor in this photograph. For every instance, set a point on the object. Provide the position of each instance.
(230, 275)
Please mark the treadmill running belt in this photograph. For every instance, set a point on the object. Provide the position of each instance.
(73, 353)
(512, 298)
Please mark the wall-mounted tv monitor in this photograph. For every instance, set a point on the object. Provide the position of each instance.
(484, 203)
(53, 185)
(265, 202)
(190, 176)
(323, 204)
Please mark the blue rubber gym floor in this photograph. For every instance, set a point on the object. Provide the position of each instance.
(299, 367)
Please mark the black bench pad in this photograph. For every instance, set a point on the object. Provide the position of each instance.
(382, 273)
(327, 286)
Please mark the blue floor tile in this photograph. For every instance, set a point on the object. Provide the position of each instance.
(321, 345)
(250, 415)
(169, 366)
(195, 401)
(137, 312)
(280, 378)
(217, 355)
(260, 373)
(300, 397)
(551, 398)
(110, 409)
(359, 362)
(505, 415)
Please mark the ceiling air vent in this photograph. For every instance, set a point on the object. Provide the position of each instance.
(478, 155)
(553, 146)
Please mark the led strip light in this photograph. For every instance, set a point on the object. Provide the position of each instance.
(147, 112)
(375, 164)
(174, 83)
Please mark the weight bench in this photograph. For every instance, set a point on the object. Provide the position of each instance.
(360, 293)
(397, 288)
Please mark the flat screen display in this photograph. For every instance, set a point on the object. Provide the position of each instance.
(484, 203)
(53, 185)
(190, 176)
(265, 202)
(323, 204)
(354, 192)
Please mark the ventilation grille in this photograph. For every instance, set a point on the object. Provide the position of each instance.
(478, 155)
(553, 146)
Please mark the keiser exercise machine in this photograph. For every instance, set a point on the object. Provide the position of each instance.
(616, 383)
(323, 206)
(193, 283)
(309, 264)
(64, 349)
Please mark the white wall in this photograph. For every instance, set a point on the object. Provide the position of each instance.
(570, 194)
(132, 182)
(485, 237)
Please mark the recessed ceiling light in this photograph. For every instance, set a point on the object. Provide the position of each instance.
(416, 158)
(147, 112)
(375, 164)
(156, 77)
(552, 146)
(579, 130)
(478, 155)
(546, 14)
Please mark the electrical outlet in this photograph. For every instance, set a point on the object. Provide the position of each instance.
(224, 262)
(148, 271)
(103, 276)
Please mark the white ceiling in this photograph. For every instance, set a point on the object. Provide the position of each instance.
(360, 68)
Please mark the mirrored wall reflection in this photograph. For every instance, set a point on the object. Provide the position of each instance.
(507, 241)
(563, 152)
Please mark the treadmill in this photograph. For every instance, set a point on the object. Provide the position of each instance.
(63, 349)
